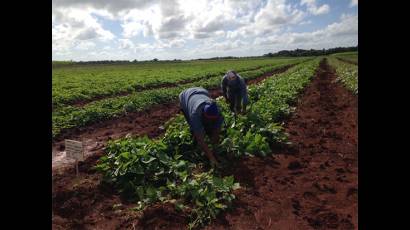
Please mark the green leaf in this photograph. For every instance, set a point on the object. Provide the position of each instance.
(236, 186)
(151, 159)
(220, 206)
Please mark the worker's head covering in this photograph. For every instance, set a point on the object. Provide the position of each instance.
(211, 111)
(231, 75)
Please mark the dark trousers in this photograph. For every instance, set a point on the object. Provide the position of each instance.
(235, 101)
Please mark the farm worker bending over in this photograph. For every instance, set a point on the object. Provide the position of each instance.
(234, 91)
(203, 116)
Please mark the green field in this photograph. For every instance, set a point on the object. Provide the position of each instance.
(347, 73)
(348, 56)
(73, 82)
(166, 169)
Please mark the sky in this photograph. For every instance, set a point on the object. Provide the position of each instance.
(85, 30)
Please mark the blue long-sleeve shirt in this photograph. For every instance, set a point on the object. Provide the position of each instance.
(192, 102)
(240, 83)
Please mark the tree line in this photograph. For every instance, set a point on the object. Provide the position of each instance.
(282, 53)
(311, 52)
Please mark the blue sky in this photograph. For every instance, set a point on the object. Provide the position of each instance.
(187, 29)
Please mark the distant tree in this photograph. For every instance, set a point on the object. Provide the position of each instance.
(312, 52)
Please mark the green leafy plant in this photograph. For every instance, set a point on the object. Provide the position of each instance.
(172, 169)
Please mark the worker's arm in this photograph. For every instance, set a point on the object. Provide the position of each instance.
(198, 131)
(244, 92)
(216, 131)
(201, 141)
(215, 136)
(223, 86)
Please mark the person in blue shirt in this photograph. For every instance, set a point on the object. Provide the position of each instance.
(234, 91)
(203, 116)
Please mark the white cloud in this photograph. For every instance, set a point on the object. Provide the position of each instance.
(353, 3)
(314, 9)
(232, 34)
(339, 33)
(274, 16)
(88, 33)
(73, 25)
(109, 5)
(126, 44)
(188, 28)
(85, 45)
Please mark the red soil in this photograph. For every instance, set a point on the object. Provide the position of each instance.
(310, 186)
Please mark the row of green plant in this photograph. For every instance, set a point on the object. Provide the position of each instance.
(351, 57)
(347, 74)
(172, 168)
(79, 83)
(69, 117)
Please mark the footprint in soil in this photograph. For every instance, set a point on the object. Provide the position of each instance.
(294, 165)
(310, 196)
(346, 224)
(351, 192)
(322, 167)
(296, 206)
(340, 179)
(293, 132)
(108, 133)
(340, 170)
(324, 188)
(324, 221)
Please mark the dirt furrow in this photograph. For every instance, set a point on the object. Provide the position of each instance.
(312, 185)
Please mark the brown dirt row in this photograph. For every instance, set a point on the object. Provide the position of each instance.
(312, 185)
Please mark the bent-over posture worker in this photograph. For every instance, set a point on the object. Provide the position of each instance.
(234, 91)
(203, 117)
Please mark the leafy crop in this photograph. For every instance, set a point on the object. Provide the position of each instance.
(347, 74)
(173, 169)
(69, 117)
(71, 83)
(351, 57)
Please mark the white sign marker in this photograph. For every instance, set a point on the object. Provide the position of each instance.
(74, 149)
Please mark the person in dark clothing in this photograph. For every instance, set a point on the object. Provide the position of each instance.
(203, 116)
(235, 92)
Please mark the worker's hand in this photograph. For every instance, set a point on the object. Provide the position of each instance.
(215, 164)
(212, 159)
(244, 110)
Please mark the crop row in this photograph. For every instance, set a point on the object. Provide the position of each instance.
(71, 84)
(72, 117)
(172, 169)
(350, 57)
(347, 74)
